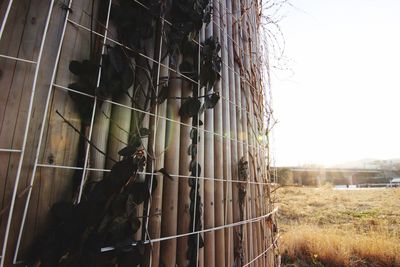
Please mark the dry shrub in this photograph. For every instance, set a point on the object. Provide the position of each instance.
(333, 247)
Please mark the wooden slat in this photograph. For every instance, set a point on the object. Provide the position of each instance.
(226, 142)
(218, 164)
(209, 186)
(22, 38)
(184, 189)
(217, 156)
(60, 143)
(157, 196)
(171, 163)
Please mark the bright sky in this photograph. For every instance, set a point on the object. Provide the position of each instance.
(343, 100)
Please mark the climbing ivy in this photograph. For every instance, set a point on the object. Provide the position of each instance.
(106, 216)
(117, 77)
(107, 213)
(132, 23)
(192, 107)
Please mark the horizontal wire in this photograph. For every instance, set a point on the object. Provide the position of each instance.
(105, 249)
(18, 59)
(259, 92)
(235, 44)
(243, 78)
(192, 39)
(159, 116)
(10, 150)
(165, 118)
(157, 174)
(134, 51)
(54, 166)
(29, 111)
(221, 135)
(169, 68)
(154, 61)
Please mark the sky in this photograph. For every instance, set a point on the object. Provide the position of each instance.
(341, 99)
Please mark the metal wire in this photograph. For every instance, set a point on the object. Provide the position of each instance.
(95, 103)
(263, 253)
(3, 24)
(255, 147)
(148, 173)
(35, 165)
(225, 226)
(244, 79)
(10, 150)
(33, 90)
(18, 59)
(150, 114)
(154, 138)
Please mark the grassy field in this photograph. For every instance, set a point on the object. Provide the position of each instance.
(326, 227)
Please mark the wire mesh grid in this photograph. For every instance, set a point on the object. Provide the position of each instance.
(251, 145)
(21, 151)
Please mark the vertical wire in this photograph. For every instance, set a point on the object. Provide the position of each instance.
(99, 75)
(256, 149)
(248, 195)
(254, 131)
(29, 115)
(263, 199)
(209, 116)
(239, 127)
(3, 24)
(265, 179)
(155, 136)
(245, 112)
(250, 132)
(233, 126)
(35, 165)
(225, 183)
(260, 189)
(217, 149)
(225, 89)
(95, 102)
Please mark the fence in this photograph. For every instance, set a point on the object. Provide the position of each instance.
(87, 86)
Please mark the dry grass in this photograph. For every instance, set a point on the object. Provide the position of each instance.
(326, 227)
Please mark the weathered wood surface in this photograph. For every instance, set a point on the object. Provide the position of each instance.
(60, 143)
(237, 51)
(227, 167)
(169, 210)
(22, 38)
(171, 188)
(209, 185)
(218, 164)
(157, 196)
